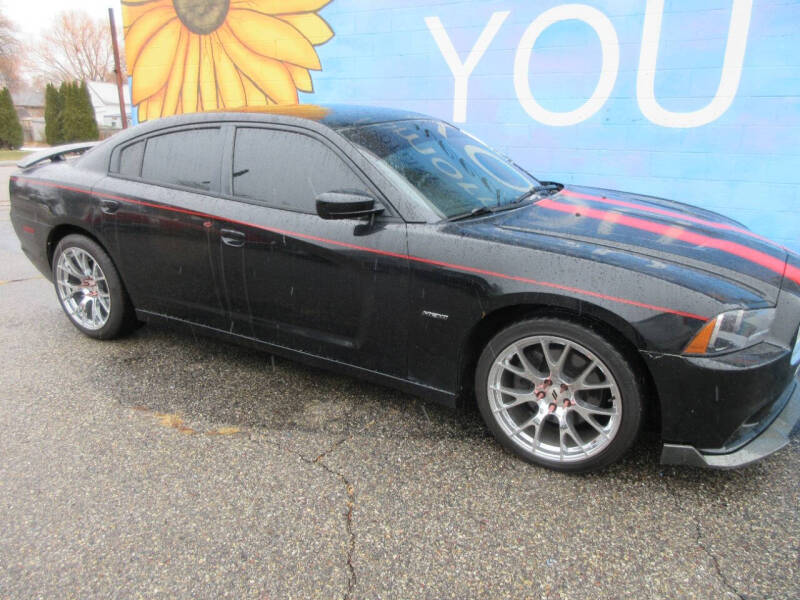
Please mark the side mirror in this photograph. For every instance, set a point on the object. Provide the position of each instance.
(347, 205)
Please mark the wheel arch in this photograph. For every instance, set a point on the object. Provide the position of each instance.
(59, 232)
(611, 326)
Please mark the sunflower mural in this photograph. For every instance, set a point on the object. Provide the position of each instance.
(199, 55)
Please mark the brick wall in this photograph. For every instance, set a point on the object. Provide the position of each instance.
(735, 149)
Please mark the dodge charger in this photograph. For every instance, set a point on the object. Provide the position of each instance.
(398, 248)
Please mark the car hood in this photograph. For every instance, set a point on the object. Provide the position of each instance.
(661, 229)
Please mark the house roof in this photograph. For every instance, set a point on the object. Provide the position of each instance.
(106, 93)
(32, 98)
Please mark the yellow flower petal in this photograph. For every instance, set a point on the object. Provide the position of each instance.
(231, 89)
(175, 80)
(141, 113)
(133, 10)
(178, 106)
(280, 7)
(272, 37)
(208, 81)
(191, 73)
(254, 96)
(312, 26)
(140, 33)
(301, 77)
(155, 61)
(269, 75)
(155, 105)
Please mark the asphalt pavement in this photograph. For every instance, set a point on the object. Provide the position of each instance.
(164, 465)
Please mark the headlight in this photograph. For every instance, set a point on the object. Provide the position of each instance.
(732, 330)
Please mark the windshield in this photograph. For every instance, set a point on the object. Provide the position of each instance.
(454, 172)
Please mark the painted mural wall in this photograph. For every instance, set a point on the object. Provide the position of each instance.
(695, 100)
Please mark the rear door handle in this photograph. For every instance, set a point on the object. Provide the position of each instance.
(109, 206)
(231, 237)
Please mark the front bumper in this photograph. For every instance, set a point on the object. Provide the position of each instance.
(706, 402)
(774, 437)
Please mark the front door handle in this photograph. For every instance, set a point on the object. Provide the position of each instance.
(231, 237)
(109, 206)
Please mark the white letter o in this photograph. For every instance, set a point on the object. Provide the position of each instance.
(473, 152)
(609, 44)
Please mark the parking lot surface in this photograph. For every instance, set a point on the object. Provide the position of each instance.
(168, 465)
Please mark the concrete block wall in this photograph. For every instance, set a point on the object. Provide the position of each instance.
(730, 143)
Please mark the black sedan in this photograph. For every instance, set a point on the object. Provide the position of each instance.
(398, 248)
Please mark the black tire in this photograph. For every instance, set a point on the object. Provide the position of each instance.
(627, 381)
(121, 317)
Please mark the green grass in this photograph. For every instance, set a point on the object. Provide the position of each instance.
(12, 154)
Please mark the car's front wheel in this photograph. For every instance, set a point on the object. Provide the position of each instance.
(559, 394)
(89, 288)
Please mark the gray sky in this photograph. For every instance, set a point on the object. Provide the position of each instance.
(31, 16)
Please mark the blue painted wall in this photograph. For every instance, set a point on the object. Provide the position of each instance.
(744, 163)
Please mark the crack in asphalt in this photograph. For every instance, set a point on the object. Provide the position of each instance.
(318, 460)
(332, 448)
(731, 588)
(351, 499)
(699, 540)
(351, 503)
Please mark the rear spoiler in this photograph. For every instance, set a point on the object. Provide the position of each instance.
(55, 153)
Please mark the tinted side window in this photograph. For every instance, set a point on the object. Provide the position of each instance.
(130, 160)
(189, 158)
(287, 170)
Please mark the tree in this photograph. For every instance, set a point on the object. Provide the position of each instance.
(63, 91)
(10, 54)
(76, 47)
(87, 119)
(77, 119)
(69, 113)
(53, 105)
(10, 127)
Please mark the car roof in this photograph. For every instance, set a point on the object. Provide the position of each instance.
(312, 116)
(334, 116)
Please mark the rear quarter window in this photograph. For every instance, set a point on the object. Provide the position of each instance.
(130, 160)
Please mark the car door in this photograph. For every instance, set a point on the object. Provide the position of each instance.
(332, 288)
(159, 194)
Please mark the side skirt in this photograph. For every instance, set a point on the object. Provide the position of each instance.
(443, 397)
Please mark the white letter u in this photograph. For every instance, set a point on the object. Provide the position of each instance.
(729, 80)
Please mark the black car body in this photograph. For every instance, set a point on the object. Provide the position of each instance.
(405, 296)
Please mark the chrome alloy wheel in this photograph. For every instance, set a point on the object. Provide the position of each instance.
(82, 288)
(554, 398)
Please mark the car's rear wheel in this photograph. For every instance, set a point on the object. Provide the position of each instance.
(559, 394)
(89, 288)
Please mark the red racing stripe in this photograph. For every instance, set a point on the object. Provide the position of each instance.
(429, 261)
(677, 232)
(666, 213)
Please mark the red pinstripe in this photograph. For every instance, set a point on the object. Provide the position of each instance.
(418, 259)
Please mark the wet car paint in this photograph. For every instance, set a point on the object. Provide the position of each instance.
(404, 300)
